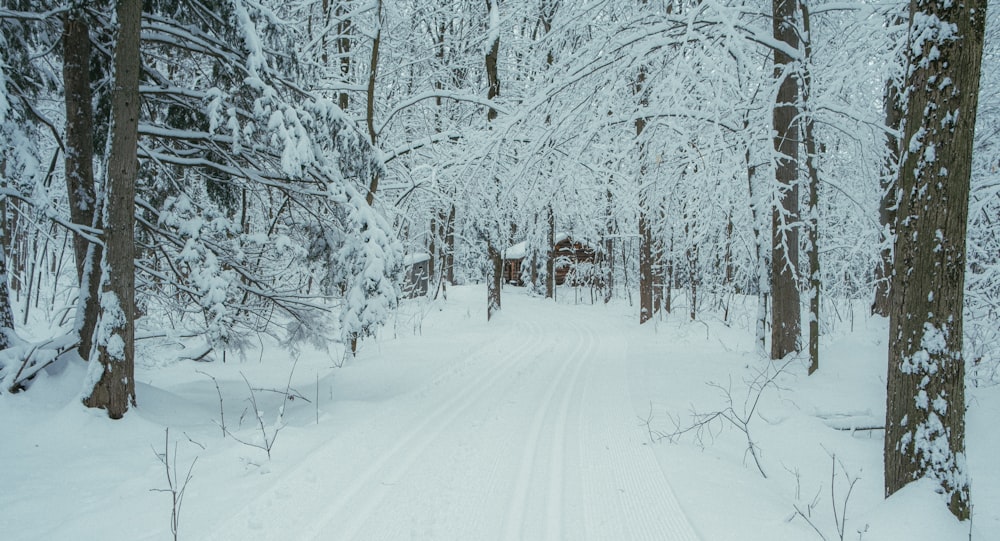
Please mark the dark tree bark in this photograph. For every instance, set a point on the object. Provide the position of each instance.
(813, 202)
(727, 261)
(658, 255)
(79, 128)
(785, 309)
(646, 308)
(496, 281)
(112, 368)
(446, 222)
(492, 75)
(887, 210)
(79, 169)
(668, 294)
(493, 252)
(609, 248)
(344, 51)
(6, 314)
(691, 258)
(550, 254)
(370, 106)
(433, 249)
(925, 404)
(449, 247)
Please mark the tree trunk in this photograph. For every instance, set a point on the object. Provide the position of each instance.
(646, 308)
(79, 128)
(449, 247)
(550, 255)
(112, 370)
(6, 314)
(763, 261)
(813, 203)
(887, 210)
(668, 295)
(496, 281)
(658, 254)
(691, 256)
(645, 266)
(785, 309)
(80, 171)
(492, 56)
(433, 249)
(493, 252)
(344, 51)
(88, 306)
(609, 249)
(925, 404)
(728, 288)
(370, 106)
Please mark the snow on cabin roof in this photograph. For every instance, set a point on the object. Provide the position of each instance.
(416, 257)
(520, 250)
(517, 251)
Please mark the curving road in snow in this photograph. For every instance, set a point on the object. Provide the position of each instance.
(527, 434)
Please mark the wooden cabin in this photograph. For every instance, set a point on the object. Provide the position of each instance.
(418, 270)
(569, 253)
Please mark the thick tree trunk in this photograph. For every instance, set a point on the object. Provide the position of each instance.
(79, 128)
(925, 404)
(785, 308)
(88, 306)
(887, 210)
(112, 370)
(80, 171)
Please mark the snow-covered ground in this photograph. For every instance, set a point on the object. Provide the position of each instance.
(555, 421)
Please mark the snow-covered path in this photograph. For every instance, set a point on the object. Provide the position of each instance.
(528, 434)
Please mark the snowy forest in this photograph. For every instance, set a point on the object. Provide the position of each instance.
(222, 220)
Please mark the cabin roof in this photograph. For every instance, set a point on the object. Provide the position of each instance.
(520, 250)
(415, 257)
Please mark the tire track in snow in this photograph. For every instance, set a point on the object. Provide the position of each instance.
(300, 480)
(530, 436)
(558, 489)
(562, 387)
(627, 483)
(395, 463)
